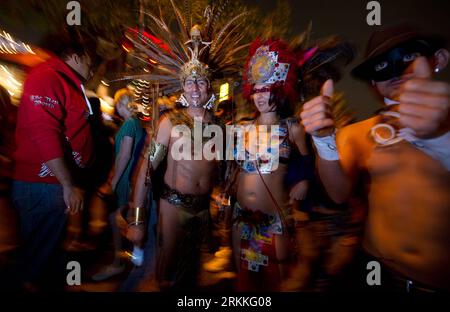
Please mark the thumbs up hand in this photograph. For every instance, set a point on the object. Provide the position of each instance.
(424, 103)
(316, 114)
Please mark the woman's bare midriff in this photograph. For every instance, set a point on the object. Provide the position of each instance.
(252, 194)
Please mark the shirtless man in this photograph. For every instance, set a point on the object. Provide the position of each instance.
(184, 204)
(402, 157)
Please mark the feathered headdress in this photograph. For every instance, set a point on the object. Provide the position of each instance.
(329, 56)
(296, 70)
(208, 49)
(271, 62)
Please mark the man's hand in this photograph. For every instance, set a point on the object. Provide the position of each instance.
(136, 234)
(299, 191)
(73, 198)
(424, 103)
(316, 114)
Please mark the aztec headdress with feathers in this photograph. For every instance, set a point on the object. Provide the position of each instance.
(297, 70)
(272, 63)
(208, 50)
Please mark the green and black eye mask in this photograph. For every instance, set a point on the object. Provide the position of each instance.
(393, 63)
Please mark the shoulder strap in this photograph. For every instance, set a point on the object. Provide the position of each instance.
(178, 117)
(287, 123)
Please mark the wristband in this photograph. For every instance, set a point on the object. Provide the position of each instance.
(326, 147)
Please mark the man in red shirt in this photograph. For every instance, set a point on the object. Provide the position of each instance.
(54, 149)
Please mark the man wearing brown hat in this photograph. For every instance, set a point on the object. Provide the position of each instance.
(400, 159)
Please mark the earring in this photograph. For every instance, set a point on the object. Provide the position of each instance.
(436, 70)
(183, 101)
(210, 102)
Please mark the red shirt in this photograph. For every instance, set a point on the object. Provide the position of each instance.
(52, 122)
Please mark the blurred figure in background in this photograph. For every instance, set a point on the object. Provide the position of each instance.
(103, 134)
(8, 217)
(128, 144)
(54, 151)
(100, 197)
(8, 117)
(142, 277)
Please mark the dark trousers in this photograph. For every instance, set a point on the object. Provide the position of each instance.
(43, 220)
(355, 278)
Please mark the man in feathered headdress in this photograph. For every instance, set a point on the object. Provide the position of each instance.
(190, 175)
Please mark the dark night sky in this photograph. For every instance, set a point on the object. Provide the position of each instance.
(346, 18)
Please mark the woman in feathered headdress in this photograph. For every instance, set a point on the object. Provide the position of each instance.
(267, 213)
(263, 214)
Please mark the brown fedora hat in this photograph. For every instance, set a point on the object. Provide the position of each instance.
(386, 39)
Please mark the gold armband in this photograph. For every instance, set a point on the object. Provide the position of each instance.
(157, 153)
(136, 216)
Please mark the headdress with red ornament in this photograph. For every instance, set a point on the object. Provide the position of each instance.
(271, 62)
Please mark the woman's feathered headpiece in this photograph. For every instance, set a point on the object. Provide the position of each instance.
(271, 62)
(295, 70)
